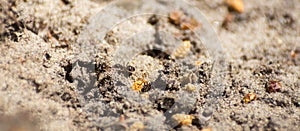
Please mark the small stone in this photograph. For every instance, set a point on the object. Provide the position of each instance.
(137, 126)
(249, 97)
(153, 20)
(183, 119)
(190, 87)
(130, 68)
(147, 87)
(294, 53)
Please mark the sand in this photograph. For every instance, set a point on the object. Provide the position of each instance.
(122, 65)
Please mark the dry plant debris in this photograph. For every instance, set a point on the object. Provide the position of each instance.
(178, 18)
(274, 86)
(175, 17)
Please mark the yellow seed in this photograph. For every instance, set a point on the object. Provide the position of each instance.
(138, 85)
(182, 50)
(237, 5)
(198, 63)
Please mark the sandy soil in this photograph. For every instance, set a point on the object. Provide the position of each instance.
(57, 73)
